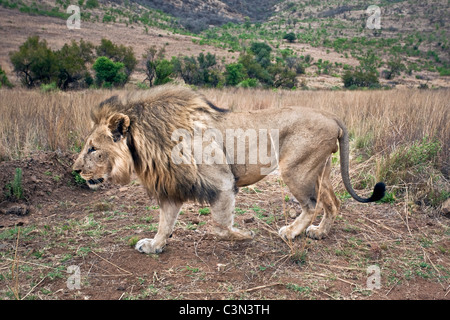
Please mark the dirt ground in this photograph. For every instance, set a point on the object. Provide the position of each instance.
(60, 224)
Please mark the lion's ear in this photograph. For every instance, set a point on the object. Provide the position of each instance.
(119, 124)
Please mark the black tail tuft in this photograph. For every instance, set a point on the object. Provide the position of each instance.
(378, 192)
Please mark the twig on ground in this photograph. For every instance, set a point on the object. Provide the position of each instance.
(33, 288)
(128, 272)
(15, 268)
(234, 292)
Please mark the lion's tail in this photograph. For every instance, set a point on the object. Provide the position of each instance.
(380, 188)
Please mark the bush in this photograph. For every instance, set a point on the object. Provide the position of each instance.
(109, 73)
(290, 37)
(14, 189)
(234, 74)
(282, 76)
(118, 53)
(72, 60)
(262, 52)
(249, 83)
(35, 62)
(91, 4)
(4, 79)
(49, 87)
(163, 71)
(198, 71)
(358, 79)
(254, 69)
(415, 166)
(395, 68)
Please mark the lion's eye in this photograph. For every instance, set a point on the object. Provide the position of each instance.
(91, 149)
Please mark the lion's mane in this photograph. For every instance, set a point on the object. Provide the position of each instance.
(154, 115)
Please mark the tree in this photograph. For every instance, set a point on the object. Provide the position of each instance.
(117, 53)
(369, 63)
(35, 62)
(357, 79)
(163, 71)
(395, 68)
(282, 76)
(187, 68)
(234, 73)
(199, 71)
(254, 69)
(290, 37)
(72, 61)
(109, 73)
(262, 52)
(151, 58)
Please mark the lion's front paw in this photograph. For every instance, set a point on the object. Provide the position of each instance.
(286, 233)
(314, 232)
(148, 246)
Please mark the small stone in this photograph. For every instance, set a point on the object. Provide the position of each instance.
(18, 210)
(446, 206)
(292, 213)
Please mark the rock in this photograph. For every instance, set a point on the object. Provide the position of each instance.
(375, 251)
(292, 213)
(18, 210)
(103, 206)
(446, 206)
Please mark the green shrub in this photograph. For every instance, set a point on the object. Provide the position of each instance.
(204, 211)
(91, 4)
(358, 79)
(78, 179)
(163, 71)
(118, 53)
(415, 167)
(49, 87)
(290, 37)
(14, 189)
(249, 83)
(4, 79)
(235, 73)
(109, 73)
(35, 62)
(443, 71)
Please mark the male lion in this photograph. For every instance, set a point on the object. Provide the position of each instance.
(136, 132)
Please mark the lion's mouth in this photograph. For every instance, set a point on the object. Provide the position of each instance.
(95, 181)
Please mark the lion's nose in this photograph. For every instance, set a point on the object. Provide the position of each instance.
(77, 171)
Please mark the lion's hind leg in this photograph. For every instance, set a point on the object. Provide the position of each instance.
(330, 204)
(304, 184)
(304, 192)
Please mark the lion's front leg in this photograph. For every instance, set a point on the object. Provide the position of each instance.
(222, 213)
(167, 218)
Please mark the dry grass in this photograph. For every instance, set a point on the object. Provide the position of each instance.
(382, 124)
(33, 121)
(386, 128)
(389, 118)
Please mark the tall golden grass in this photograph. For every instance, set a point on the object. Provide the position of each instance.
(32, 121)
(380, 122)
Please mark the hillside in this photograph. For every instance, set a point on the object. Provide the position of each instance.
(330, 38)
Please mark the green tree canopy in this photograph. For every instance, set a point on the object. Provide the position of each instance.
(118, 53)
(108, 72)
(35, 63)
(290, 37)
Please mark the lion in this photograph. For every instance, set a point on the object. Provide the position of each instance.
(134, 132)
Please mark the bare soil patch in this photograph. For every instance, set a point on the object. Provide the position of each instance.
(66, 224)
